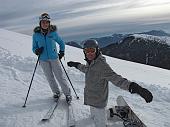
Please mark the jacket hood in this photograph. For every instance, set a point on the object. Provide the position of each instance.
(52, 28)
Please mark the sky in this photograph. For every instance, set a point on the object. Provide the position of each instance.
(78, 20)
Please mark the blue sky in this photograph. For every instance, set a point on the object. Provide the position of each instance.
(80, 19)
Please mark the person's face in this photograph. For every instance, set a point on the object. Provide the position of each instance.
(90, 53)
(45, 24)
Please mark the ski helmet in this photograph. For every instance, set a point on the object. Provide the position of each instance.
(45, 17)
(91, 43)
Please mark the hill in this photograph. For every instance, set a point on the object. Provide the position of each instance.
(141, 48)
(16, 67)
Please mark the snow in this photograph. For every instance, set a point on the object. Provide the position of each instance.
(16, 67)
(161, 39)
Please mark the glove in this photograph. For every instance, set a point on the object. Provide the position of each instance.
(73, 64)
(61, 54)
(39, 51)
(144, 93)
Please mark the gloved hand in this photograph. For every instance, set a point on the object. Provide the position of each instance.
(146, 94)
(39, 51)
(61, 54)
(73, 64)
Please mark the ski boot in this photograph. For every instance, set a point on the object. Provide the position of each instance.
(68, 99)
(56, 96)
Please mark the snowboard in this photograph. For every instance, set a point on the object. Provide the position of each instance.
(123, 112)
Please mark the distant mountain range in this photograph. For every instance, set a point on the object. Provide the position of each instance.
(117, 38)
(103, 41)
(156, 33)
(74, 44)
(152, 47)
(141, 50)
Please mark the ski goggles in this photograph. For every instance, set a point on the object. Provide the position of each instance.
(44, 17)
(90, 50)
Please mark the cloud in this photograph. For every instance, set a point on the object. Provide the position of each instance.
(86, 17)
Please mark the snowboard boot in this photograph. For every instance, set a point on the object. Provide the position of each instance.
(110, 113)
(68, 99)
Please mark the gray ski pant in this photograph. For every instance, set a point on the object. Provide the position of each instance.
(52, 69)
(98, 115)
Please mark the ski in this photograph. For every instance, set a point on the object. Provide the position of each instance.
(71, 117)
(130, 118)
(50, 112)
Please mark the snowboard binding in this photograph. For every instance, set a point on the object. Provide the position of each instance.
(123, 113)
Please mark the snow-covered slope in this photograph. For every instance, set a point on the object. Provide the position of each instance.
(16, 66)
(161, 39)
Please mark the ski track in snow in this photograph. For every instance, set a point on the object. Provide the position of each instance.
(15, 75)
(12, 115)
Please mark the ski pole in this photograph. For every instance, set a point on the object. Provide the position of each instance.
(31, 82)
(69, 79)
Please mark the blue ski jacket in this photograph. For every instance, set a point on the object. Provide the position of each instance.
(48, 42)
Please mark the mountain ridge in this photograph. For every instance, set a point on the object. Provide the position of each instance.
(117, 38)
(152, 47)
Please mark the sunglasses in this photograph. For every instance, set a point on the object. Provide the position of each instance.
(90, 50)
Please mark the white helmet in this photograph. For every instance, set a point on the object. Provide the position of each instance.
(45, 17)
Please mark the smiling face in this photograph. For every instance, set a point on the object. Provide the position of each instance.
(91, 56)
(90, 53)
(45, 24)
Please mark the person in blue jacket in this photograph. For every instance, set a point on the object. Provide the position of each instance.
(45, 38)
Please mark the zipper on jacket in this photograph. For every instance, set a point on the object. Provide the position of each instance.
(46, 45)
